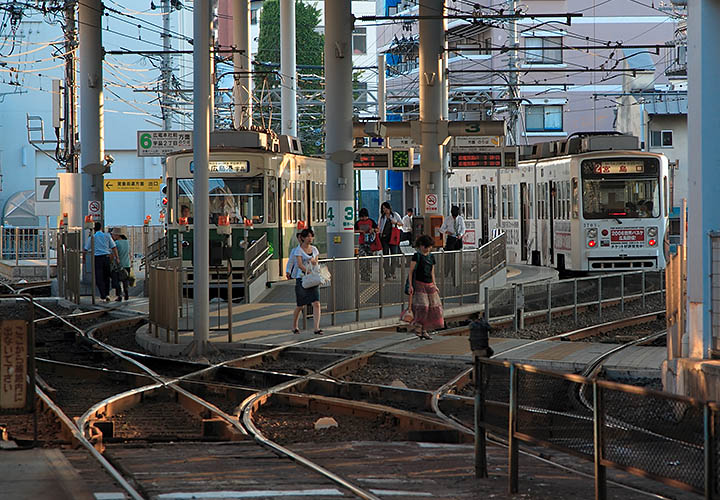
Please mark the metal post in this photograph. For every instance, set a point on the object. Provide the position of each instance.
(2, 242)
(460, 277)
(598, 442)
(288, 90)
(512, 427)
(480, 435)
(242, 91)
(442, 277)
(92, 265)
(202, 92)
(486, 312)
(357, 288)
(622, 293)
(710, 451)
(17, 246)
(90, 81)
(599, 297)
(333, 295)
(643, 288)
(338, 125)
(549, 304)
(515, 308)
(477, 271)
(430, 75)
(229, 298)
(381, 284)
(575, 299)
(47, 247)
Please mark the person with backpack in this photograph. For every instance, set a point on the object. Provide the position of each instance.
(424, 294)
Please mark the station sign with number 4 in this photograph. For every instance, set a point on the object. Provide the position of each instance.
(340, 217)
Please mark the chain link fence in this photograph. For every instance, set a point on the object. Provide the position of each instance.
(666, 437)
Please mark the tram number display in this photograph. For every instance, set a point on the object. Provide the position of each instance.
(627, 235)
(619, 167)
(482, 159)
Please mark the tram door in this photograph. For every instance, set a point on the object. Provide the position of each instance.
(308, 204)
(484, 211)
(524, 221)
(551, 218)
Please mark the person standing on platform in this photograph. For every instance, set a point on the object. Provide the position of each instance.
(290, 266)
(424, 293)
(122, 275)
(305, 255)
(104, 250)
(368, 232)
(407, 226)
(453, 228)
(389, 220)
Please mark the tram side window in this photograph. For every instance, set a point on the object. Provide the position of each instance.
(531, 188)
(272, 199)
(504, 196)
(476, 201)
(492, 202)
(575, 198)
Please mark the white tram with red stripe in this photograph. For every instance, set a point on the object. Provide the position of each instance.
(593, 202)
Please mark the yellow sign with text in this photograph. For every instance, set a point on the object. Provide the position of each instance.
(129, 185)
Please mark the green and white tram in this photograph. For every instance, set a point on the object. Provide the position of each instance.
(252, 178)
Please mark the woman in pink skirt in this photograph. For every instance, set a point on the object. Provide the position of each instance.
(426, 305)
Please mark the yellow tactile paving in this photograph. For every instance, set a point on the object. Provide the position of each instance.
(561, 351)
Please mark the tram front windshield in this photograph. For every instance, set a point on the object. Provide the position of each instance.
(239, 198)
(620, 189)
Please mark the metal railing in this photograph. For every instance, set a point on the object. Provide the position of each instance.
(378, 282)
(69, 263)
(669, 438)
(23, 242)
(524, 300)
(170, 287)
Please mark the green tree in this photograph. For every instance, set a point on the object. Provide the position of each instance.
(309, 52)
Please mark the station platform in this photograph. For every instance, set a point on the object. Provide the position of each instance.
(43, 473)
(31, 269)
(269, 322)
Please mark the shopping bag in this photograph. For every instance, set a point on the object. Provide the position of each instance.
(376, 245)
(395, 235)
(407, 315)
(316, 276)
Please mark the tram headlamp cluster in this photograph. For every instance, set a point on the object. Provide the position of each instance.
(592, 232)
(652, 231)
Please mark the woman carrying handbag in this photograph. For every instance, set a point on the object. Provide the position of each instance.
(389, 230)
(306, 255)
(424, 294)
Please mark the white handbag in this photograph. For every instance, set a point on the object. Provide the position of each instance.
(317, 275)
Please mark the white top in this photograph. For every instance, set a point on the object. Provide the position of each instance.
(395, 217)
(299, 252)
(407, 224)
(292, 262)
(454, 226)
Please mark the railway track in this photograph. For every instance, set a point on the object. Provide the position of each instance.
(224, 403)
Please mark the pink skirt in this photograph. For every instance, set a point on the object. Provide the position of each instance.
(426, 306)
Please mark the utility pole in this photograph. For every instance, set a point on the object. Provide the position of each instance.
(71, 184)
(242, 93)
(166, 102)
(288, 80)
(382, 114)
(430, 75)
(90, 13)
(514, 105)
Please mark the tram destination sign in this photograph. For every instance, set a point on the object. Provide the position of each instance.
(483, 158)
(619, 167)
(163, 142)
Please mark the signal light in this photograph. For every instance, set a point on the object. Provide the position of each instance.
(592, 243)
(652, 243)
(164, 201)
(183, 221)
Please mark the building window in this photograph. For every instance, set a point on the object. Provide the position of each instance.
(661, 139)
(543, 118)
(359, 41)
(543, 50)
(254, 16)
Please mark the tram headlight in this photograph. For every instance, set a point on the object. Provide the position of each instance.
(652, 232)
(592, 243)
(592, 232)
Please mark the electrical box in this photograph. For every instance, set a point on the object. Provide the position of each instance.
(435, 223)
